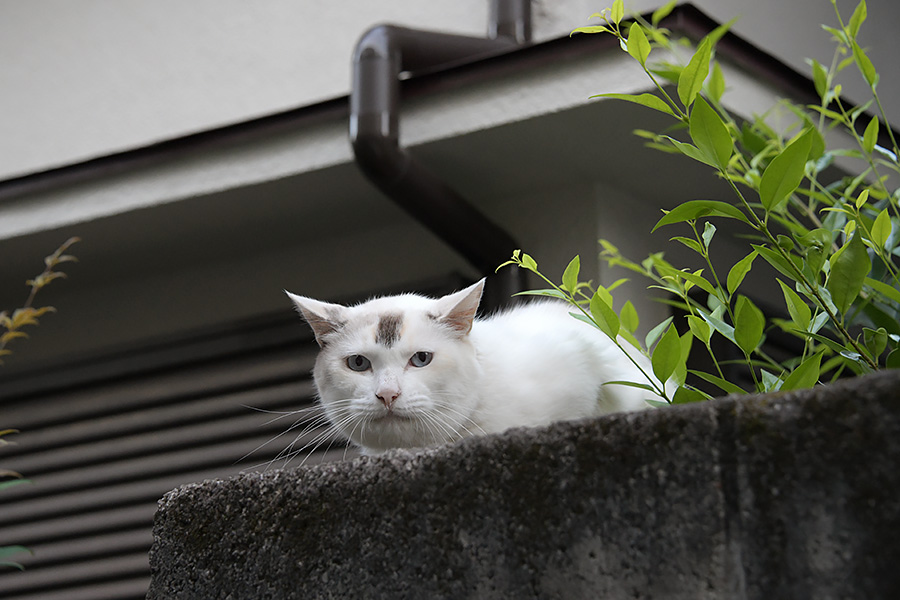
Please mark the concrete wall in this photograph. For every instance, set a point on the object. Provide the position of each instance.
(788, 496)
(94, 77)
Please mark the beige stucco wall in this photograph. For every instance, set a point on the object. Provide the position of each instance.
(86, 78)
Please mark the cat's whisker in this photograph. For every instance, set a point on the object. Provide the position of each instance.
(432, 429)
(312, 422)
(312, 419)
(450, 432)
(330, 435)
(449, 408)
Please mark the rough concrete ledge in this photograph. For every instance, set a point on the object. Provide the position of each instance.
(782, 496)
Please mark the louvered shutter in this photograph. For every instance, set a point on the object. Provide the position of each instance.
(103, 441)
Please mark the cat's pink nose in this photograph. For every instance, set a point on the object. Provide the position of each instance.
(388, 397)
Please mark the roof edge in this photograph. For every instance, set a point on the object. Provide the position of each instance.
(685, 19)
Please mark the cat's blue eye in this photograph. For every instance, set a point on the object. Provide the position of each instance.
(358, 362)
(421, 359)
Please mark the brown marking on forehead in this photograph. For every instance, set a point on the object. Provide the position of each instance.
(388, 331)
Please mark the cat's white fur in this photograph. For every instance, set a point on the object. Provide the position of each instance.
(530, 365)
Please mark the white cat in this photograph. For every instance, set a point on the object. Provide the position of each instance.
(409, 371)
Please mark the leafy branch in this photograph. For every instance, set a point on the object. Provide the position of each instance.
(833, 246)
(11, 325)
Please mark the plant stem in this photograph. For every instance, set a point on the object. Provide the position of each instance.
(799, 276)
(659, 389)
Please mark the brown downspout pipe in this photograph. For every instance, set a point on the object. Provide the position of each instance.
(381, 55)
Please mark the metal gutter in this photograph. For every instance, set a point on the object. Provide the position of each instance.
(382, 55)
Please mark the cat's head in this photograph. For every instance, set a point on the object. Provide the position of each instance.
(397, 371)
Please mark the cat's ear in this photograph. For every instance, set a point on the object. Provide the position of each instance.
(458, 309)
(323, 317)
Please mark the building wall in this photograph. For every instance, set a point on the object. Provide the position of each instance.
(93, 77)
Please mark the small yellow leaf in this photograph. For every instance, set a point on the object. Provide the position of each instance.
(11, 335)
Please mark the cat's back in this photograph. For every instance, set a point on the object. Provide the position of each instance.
(537, 326)
(540, 352)
(543, 335)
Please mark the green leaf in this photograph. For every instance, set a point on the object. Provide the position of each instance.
(638, 46)
(591, 29)
(862, 199)
(656, 403)
(831, 344)
(699, 328)
(640, 386)
(654, 333)
(709, 230)
(715, 320)
(716, 85)
(784, 173)
(691, 151)
(849, 267)
(690, 82)
(570, 275)
(884, 289)
(687, 341)
(716, 34)
(698, 280)
(684, 395)
(820, 78)
(710, 134)
(617, 13)
(13, 482)
(881, 228)
(6, 551)
(839, 35)
(749, 323)
(886, 153)
(690, 243)
(818, 247)
(604, 295)
(881, 318)
(876, 340)
(785, 243)
(666, 355)
(893, 360)
(797, 308)
(753, 141)
(662, 12)
(739, 271)
(584, 319)
(629, 317)
(694, 209)
(528, 263)
(550, 293)
(806, 375)
(722, 384)
(844, 64)
(858, 18)
(870, 137)
(865, 65)
(613, 286)
(770, 382)
(648, 100)
(776, 260)
(605, 316)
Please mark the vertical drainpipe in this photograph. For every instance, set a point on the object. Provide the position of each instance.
(381, 55)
